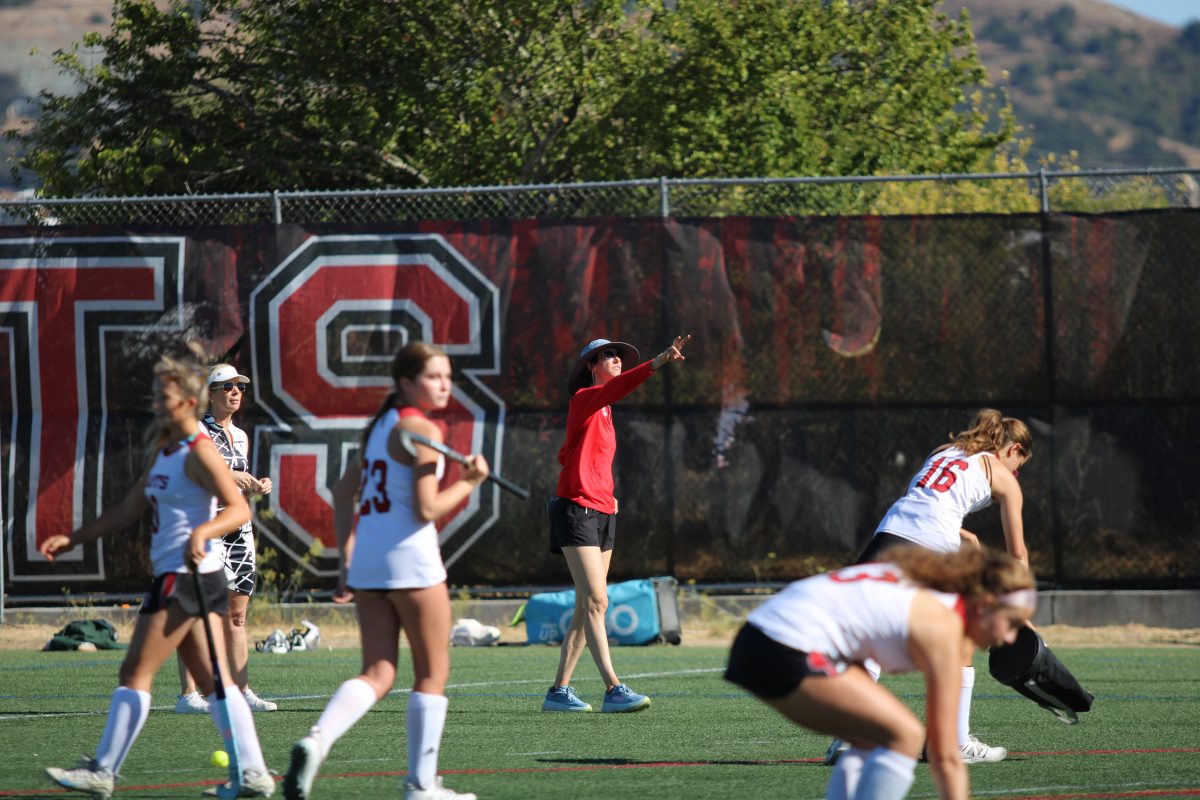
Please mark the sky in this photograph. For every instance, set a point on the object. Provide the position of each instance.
(1172, 12)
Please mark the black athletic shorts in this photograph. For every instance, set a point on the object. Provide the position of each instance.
(880, 543)
(573, 525)
(766, 668)
(180, 588)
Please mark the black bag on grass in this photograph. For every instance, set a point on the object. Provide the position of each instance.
(1029, 666)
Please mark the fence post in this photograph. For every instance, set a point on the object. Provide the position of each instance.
(1056, 531)
(664, 198)
(276, 207)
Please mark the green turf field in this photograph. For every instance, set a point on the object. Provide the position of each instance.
(701, 737)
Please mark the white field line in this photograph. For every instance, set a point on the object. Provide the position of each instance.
(395, 692)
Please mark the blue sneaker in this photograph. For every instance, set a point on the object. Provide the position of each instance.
(563, 698)
(622, 698)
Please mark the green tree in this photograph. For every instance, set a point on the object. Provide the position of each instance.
(247, 95)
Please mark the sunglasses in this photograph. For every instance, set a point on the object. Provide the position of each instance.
(227, 387)
(607, 355)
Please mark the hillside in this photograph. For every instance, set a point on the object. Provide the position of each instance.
(1087, 76)
(1083, 75)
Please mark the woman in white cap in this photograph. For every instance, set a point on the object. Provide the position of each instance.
(583, 512)
(226, 391)
(802, 653)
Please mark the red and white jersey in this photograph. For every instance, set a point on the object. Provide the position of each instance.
(177, 506)
(848, 615)
(393, 547)
(949, 485)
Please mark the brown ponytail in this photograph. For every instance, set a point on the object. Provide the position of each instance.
(972, 572)
(990, 431)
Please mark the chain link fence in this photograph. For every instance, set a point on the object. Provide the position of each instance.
(1044, 191)
(844, 326)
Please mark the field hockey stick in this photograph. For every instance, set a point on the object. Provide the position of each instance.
(224, 721)
(411, 440)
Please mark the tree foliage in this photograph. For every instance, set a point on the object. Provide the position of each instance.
(249, 95)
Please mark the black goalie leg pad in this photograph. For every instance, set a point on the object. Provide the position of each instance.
(1030, 667)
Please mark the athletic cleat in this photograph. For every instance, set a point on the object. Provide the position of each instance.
(836, 748)
(621, 698)
(563, 698)
(435, 792)
(191, 703)
(254, 784)
(256, 703)
(99, 783)
(306, 760)
(976, 752)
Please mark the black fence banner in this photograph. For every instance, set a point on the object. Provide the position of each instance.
(830, 355)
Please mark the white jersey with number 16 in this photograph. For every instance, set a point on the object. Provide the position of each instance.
(949, 485)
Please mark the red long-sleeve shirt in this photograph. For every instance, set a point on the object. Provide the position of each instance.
(591, 442)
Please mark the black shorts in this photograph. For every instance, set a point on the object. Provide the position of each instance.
(880, 543)
(573, 525)
(766, 668)
(180, 588)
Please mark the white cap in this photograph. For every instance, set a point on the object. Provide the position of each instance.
(225, 373)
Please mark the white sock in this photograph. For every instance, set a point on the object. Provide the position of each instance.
(126, 715)
(964, 705)
(887, 775)
(249, 752)
(873, 669)
(844, 781)
(347, 706)
(426, 717)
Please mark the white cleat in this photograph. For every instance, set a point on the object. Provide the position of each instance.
(435, 792)
(976, 752)
(256, 703)
(191, 703)
(254, 784)
(306, 760)
(99, 783)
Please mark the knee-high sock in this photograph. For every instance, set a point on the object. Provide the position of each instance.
(426, 719)
(873, 668)
(127, 714)
(844, 781)
(249, 752)
(347, 706)
(887, 775)
(964, 705)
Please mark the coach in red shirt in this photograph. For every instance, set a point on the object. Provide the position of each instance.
(583, 512)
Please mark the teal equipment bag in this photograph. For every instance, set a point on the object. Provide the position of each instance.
(634, 613)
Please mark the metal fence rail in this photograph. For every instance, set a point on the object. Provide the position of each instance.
(1017, 192)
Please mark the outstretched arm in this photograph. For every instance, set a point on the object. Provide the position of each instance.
(672, 353)
(117, 518)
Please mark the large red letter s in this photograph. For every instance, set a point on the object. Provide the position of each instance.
(324, 325)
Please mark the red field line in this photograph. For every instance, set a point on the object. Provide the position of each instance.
(677, 764)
